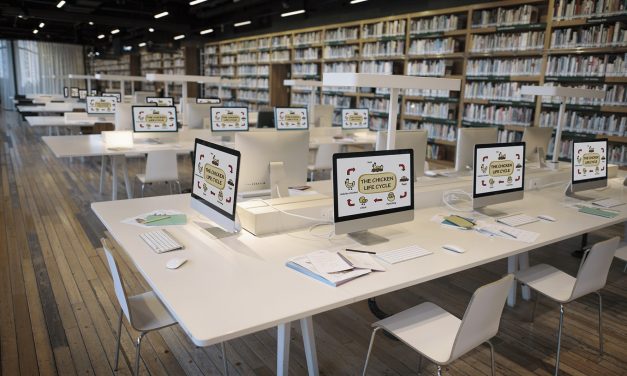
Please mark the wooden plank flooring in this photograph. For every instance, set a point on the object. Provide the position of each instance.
(58, 311)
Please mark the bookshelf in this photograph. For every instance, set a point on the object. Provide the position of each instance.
(494, 48)
(163, 63)
(120, 66)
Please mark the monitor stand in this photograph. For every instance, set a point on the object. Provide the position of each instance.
(569, 193)
(367, 238)
(217, 231)
(492, 213)
(278, 188)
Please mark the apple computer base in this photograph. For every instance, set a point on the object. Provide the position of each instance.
(278, 186)
(219, 233)
(366, 237)
(480, 204)
(571, 191)
(225, 226)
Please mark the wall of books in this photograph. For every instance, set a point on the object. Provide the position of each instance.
(120, 66)
(164, 63)
(494, 48)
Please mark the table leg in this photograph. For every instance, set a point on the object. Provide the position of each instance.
(103, 168)
(283, 349)
(511, 268)
(114, 177)
(127, 183)
(309, 341)
(523, 263)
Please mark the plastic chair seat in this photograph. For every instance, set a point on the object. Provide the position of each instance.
(621, 252)
(427, 328)
(149, 313)
(549, 281)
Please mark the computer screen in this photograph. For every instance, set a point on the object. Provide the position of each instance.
(265, 119)
(467, 138)
(93, 93)
(161, 101)
(66, 92)
(101, 105)
(208, 101)
(355, 118)
(117, 96)
(589, 164)
(139, 97)
(215, 181)
(154, 119)
(536, 138)
(415, 139)
(372, 184)
(499, 173)
(82, 94)
(229, 119)
(294, 118)
(194, 114)
(73, 92)
(323, 115)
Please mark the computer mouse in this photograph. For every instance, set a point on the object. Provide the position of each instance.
(175, 263)
(430, 173)
(547, 218)
(453, 248)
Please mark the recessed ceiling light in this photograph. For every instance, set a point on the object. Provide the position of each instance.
(101, 36)
(35, 31)
(20, 16)
(97, 53)
(91, 23)
(41, 25)
(127, 48)
(162, 14)
(179, 37)
(293, 13)
(151, 29)
(196, 2)
(142, 44)
(115, 31)
(60, 4)
(357, 1)
(243, 23)
(207, 31)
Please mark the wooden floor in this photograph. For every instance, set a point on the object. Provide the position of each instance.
(58, 310)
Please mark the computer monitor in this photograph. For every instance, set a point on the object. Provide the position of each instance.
(291, 118)
(73, 92)
(467, 138)
(589, 166)
(537, 141)
(101, 105)
(82, 94)
(323, 115)
(194, 114)
(93, 93)
(117, 96)
(272, 161)
(229, 119)
(214, 185)
(160, 101)
(139, 97)
(372, 189)
(408, 139)
(499, 175)
(355, 118)
(154, 119)
(208, 101)
(265, 119)
(123, 117)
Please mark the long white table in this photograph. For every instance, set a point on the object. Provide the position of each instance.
(247, 278)
(60, 121)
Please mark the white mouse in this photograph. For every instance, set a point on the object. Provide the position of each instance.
(547, 218)
(453, 248)
(175, 263)
(430, 173)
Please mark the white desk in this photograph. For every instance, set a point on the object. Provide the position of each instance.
(247, 278)
(59, 121)
(51, 108)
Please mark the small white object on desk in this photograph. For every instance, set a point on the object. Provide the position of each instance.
(328, 262)
(453, 248)
(607, 202)
(547, 218)
(175, 263)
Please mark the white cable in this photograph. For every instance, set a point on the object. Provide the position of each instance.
(454, 195)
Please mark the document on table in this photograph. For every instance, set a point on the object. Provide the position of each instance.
(303, 265)
(328, 262)
(507, 232)
(363, 261)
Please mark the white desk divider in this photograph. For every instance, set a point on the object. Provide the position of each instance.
(122, 79)
(394, 83)
(563, 93)
(314, 84)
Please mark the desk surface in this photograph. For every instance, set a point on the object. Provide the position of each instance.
(51, 107)
(240, 284)
(59, 121)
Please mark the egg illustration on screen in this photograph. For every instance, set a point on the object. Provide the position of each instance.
(391, 196)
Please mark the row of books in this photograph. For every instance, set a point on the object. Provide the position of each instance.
(587, 65)
(313, 37)
(614, 35)
(340, 52)
(615, 95)
(504, 67)
(526, 41)
(427, 93)
(379, 49)
(441, 110)
(212, 71)
(383, 28)
(437, 68)
(280, 41)
(227, 59)
(208, 50)
(505, 135)
(307, 54)
(437, 152)
(524, 14)
(281, 55)
(440, 131)
(307, 69)
(228, 71)
(253, 70)
(340, 67)
(337, 101)
(568, 9)
(500, 115)
(378, 123)
(504, 91)
(616, 154)
(301, 99)
(247, 58)
(341, 34)
(433, 46)
(385, 67)
(375, 104)
(254, 95)
(582, 122)
(254, 83)
(208, 59)
(434, 24)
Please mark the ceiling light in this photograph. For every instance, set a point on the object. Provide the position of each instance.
(162, 14)
(142, 44)
(60, 4)
(91, 23)
(20, 16)
(179, 37)
(101, 36)
(196, 2)
(115, 31)
(97, 53)
(41, 25)
(151, 29)
(357, 1)
(35, 31)
(206, 31)
(243, 23)
(293, 13)
(127, 48)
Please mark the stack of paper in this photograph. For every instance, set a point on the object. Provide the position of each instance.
(333, 268)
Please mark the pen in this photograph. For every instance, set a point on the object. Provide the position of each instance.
(360, 251)
(157, 219)
(507, 233)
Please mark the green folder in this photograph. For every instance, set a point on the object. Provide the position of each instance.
(166, 220)
(599, 212)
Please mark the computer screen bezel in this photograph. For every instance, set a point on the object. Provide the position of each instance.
(176, 128)
(157, 98)
(233, 152)
(572, 164)
(351, 109)
(474, 173)
(230, 130)
(337, 156)
(276, 119)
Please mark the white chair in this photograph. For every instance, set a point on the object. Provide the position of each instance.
(324, 158)
(161, 166)
(442, 337)
(621, 253)
(563, 288)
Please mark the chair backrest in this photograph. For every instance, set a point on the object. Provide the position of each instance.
(324, 156)
(161, 165)
(120, 292)
(593, 272)
(482, 317)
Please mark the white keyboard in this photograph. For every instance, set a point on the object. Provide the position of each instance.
(402, 254)
(517, 220)
(160, 241)
(607, 203)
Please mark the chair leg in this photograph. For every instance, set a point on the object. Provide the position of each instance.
(559, 340)
(535, 307)
(600, 323)
(492, 363)
(117, 348)
(625, 268)
(143, 186)
(439, 370)
(138, 352)
(374, 332)
(419, 364)
(224, 362)
(178, 182)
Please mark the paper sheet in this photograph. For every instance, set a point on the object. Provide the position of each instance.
(328, 262)
(141, 217)
(507, 232)
(363, 261)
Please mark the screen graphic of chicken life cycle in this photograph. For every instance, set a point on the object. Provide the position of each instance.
(589, 160)
(373, 183)
(154, 119)
(291, 118)
(229, 119)
(215, 177)
(355, 118)
(101, 105)
(499, 168)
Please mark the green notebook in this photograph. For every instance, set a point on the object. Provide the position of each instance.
(166, 220)
(599, 212)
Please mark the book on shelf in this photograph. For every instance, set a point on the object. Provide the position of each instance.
(434, 24)
(433, 68)
(506, 42)
(585, 122)
(433, 46)
(597, 36)
(502, 91)
(570, 9)
(498, 115)
(341, 34)
(520, 15)
(384, 29)
(529, 66)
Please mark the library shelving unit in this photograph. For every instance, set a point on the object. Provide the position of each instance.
(163, 63)
(494, 48)
(118, 67)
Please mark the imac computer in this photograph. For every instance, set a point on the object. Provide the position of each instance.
(123, 117)
(117, 96)
(139, 97)
(323, 115)
(536, 141)
(73, 92)
(499, 174)
(208, 101)
(195, 113)
(409, 139)
(272, 162)
(82, 94)
(101, 105)
(372, 189)
(355, 119)
(160, 101)
(589, 166)
(265, 119)
(291, 118)
(152, 120)
(467, 138)
(227, 121)
(214, 185)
